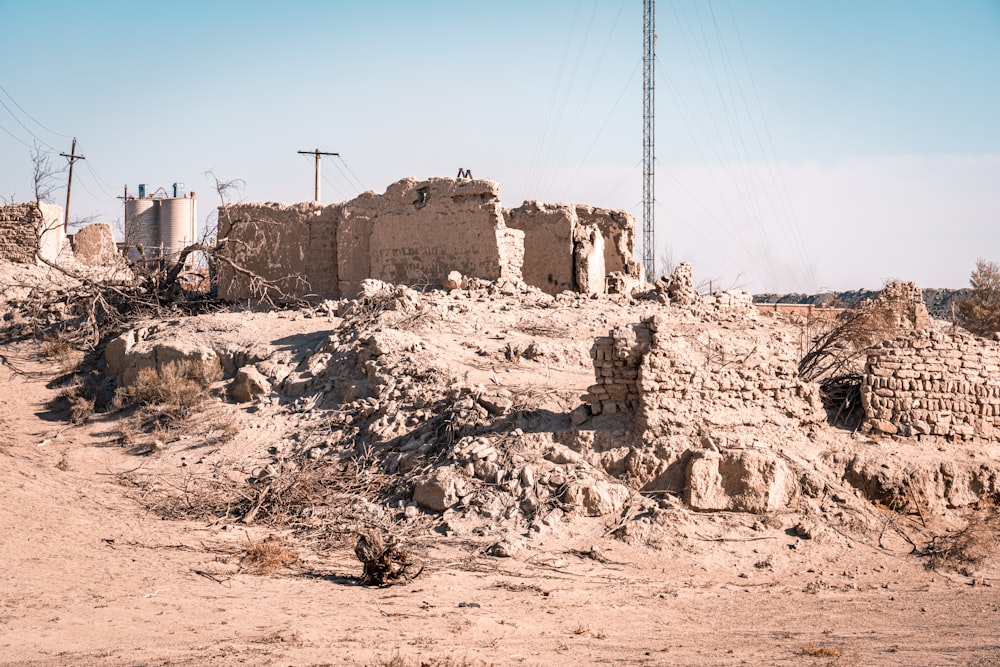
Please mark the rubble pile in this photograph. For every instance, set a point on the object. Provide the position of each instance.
(460, 409)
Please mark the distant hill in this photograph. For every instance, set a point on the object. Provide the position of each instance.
(938, 301)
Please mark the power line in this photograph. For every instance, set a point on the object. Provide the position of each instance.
(37, 122)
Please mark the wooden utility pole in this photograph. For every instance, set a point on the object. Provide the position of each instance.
(72, 157)
(317, 153)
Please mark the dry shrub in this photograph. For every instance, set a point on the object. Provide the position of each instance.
(822, 651)
(385, 562)
(977, 543)
(268, 555)
(174, 390)
(81, 402)
(58, 348)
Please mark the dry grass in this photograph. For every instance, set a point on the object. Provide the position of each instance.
(822, 651)
(166, 399)
(176, 387)
(268, 555)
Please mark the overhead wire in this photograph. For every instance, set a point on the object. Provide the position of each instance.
(536, 159)
(351, 171)
(581, 104)
(600, 131)
(35, 120)
(734, 156)
(554, 137)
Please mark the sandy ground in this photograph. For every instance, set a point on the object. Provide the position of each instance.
(90, 577)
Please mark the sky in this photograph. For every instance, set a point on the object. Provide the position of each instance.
(800, 146)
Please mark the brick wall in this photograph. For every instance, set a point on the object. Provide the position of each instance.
(933, 384)
(18, 238)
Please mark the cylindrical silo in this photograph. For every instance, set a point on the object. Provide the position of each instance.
(141, 227)
(176, 225)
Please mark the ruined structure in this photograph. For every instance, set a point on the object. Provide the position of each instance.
(30, 227)
(933, 383)
(94, 245)
(573, 247)
(417, 233)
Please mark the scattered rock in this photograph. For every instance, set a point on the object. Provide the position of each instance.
(248, 384)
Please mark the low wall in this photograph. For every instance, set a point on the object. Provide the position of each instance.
(676, 382)
(933, 384)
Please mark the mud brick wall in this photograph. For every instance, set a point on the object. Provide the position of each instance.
(933, 384)
(617, 358)
(18, 225)
(294, 247)
(674, 382)
(17, 233)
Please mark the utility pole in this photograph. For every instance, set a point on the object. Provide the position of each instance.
(648, 136)
(72, 157)
(317, 153)
(127, 231)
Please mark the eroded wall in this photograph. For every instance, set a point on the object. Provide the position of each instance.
(932, 383)
(30, 226)
(277, 250)
(548, 244)
(429, 228)
(680, 381)
(415, 234)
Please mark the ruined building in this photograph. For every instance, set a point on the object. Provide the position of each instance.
(416, 233)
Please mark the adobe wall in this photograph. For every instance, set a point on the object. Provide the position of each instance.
(94, 245)
(417, 232)
(574, 247)
(618, 230)
(18, 225)
(430, 228)
(676, 382)
(548, 244)
(292, 246)
(933, 384)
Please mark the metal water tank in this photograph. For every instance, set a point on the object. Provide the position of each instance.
(141, 223)
(176, 224)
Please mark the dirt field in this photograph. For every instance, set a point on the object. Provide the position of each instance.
(92, 576)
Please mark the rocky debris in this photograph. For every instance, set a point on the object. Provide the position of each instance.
(445, 428)
(439, 490)
(681, 289)
(596, 497)
(248, 384)
(739, 481)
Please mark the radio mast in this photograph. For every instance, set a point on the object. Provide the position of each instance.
(648, 136)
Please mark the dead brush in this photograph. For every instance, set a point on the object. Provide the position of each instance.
(977, 543)
(56, 347)
(81, 402)
(268, 555)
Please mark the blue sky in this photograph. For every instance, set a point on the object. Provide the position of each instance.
(800, 145)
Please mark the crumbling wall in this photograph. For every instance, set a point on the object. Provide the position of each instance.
(676, 382)
(292, 247)
(94, 245)
(548, 244)
(418, 232)
(618, 230)
(575, 247)
(30, 226)
(357, 217)
(429, 228)
(933, 384)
